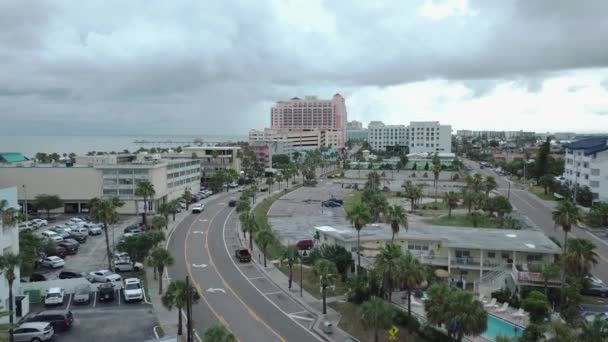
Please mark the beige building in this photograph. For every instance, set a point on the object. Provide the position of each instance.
(302, 139)
(104, 176)
(211, 158)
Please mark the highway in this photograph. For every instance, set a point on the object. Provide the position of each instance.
(236, 294)
(540, 213)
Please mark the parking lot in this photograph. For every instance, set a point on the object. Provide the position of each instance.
(106, 321)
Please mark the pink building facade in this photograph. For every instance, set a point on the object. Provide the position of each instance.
(311, 113)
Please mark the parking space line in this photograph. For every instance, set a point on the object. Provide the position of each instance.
(94, 299)
(302, 318)
(118, 295)
(296, 313)
(69, 301)
(272, 293)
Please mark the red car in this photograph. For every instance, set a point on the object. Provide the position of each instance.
(305, 244)
(60, 252)
(243, 255)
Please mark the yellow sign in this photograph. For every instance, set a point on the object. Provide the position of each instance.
(392, 333)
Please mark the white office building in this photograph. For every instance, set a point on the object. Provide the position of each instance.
(9, 243)
(381, 136)
(419, 136)
(587, 165)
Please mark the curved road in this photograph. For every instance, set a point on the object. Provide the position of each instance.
(238, 295)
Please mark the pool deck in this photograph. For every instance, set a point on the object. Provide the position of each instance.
(418, 310)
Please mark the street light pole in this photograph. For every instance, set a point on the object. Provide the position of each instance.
(301, 281)
(25, 198)
(509, 191)
(188, 312)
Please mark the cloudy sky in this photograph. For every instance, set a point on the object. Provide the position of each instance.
(204, 67)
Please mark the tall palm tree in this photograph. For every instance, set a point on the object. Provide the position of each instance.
(279, 180)
(177, 295)
(8, 263)
(475, 183)
(160, 222)
(386, 263)
(436, 172)
(269, 182)
(218, 333)
(187, 196)
(145, 190)
(451, 200)
(8, 215)
(327, 272)
(490, 184)
(290, 256)
(411, 274)
(359, 216)
(376, 314)
(160, 258)
(243, 219)
(566, 215)
(263, 238)
(581, 257)
(165, 209)
(594, 331)
(397, 217)
(104, 211)
(548, 271)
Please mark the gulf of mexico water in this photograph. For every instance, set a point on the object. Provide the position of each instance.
(81, 144)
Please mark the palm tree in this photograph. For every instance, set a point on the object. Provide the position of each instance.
(490, 184)
(376, 314)
(160, 222)
(290, 256)
(469, 198)
(475, 217)
(218, 333)
(8, 263)
(165, 209)
(263, 238)
(160, 258)
(177, 295)
(411, 274)
(397, 217)
(8, 215)
(451, 200)
(566, 215)
(327, 272)
(279, 180)
(594, 331)
(145, 190)
(269, 182)
(359, 216)
(187, 196)
(386, 263)
(436, 172)
(104, 211)
(243, 219)
(548, 271)
(581, 257)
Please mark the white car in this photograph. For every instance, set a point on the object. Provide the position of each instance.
(25, 227)
(37, 223)
(53, 262)
(51, 235)
(76, 220)
(33, 331)
(104, 276)
(132, 290)
(197, 208)
(126, 265)
(54, 296)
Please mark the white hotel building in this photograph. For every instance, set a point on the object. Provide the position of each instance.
(587, 165)
(420, 136)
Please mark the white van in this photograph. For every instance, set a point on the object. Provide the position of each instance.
(25, 226)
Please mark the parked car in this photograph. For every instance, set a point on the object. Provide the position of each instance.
(242, 254)
(81, 230)
(94, 230)
(61, 232)
(197, 209)
(51, 235)
(132, 290)
(126, 265)
(305, 244)
(33, 331)
(104, 276)
(599, 290)
(70, 275)
(37, 223)
(82, 294)
(53, 262)
(232, 203)
(105, 292)
(60, 252)
(77, 220)
(337, 200)
(134, 229)
(263, 189)
(330, 204)
(54, 296)
(25, 227)
(71, 246)
(59, 319)
(80, 237)
(121, 255)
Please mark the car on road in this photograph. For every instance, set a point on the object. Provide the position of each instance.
(104, 276)
(70, 245)
(33, 332)
(82, 294)
(126, 265)
(105, 292)
(54, 296)
(197, 208)
(132, 290)
(70, 275)
(330, 204)
(59, 319)
(232, 203)
(52, 262)
(242, 254)
(51, 235)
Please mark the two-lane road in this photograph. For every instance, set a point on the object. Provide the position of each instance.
(199, 246)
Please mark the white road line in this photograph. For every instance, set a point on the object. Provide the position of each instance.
(272, 293)
(146, 299)
(299, 312)
(255, 278)
(155, 332)
(302, 318)
(268, 299)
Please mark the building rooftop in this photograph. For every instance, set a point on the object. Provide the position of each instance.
(12, 157)
(456, 237)
(589, 146)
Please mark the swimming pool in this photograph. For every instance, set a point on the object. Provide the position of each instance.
(499, 327)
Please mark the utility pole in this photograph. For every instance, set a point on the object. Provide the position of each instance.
(25, 198)
(509, 191)
(301, 281)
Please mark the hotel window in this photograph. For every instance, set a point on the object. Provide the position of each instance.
(125, 172)
(585, 164)
(124, 181)
(109, 192)
(128, 192)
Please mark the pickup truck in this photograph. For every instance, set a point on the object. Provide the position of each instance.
(243, 255)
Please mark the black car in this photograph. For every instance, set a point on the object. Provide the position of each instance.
(37, 277)
(598, 290)
(263, 189)
(337, 200)
(69, 275)
(330, 204)
(105, 292)
(80, 237)
(59, 319)
(232, 203)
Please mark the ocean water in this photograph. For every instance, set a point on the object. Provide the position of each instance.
(81, 144)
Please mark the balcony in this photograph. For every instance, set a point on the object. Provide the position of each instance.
(473, 262)
(522, 275)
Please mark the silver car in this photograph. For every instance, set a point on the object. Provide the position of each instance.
(33, 331)
(82, 294)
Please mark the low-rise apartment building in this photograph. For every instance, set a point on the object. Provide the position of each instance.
(9, 243)
(419, 136)
(302, 139)
(211, 158)
(587, 165)
(472, 254)
(381, 136)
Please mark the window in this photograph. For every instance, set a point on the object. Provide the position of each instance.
(125, 181)
(505, 255)
(462, 253)
(109, 172)
(594, 184)
(595, 172)
(110, 181)
(491, 255)
(109, 192)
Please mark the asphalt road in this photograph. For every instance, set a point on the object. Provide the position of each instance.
(540, 214)
(199, 247)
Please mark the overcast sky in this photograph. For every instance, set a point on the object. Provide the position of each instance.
(204, 67)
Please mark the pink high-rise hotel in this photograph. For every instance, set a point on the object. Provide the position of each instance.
(311, 113)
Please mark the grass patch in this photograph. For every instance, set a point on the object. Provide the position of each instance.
(351, 323)
(337, 173)
(274, 249)
(540, 193)
(464, 221)
(351, 199)
(160, 331)
(311, 282)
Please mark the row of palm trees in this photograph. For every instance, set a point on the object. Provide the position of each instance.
(262, 234)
